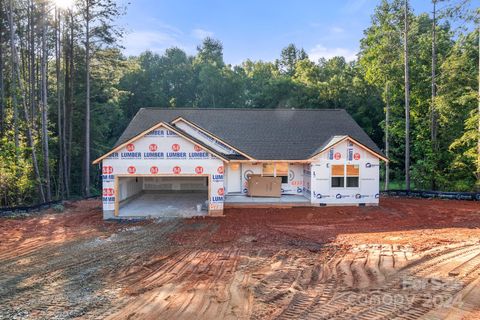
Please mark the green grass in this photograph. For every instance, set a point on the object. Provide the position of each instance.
(392, 185)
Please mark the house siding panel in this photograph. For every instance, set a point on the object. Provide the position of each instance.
(368, 189)
(162, 152)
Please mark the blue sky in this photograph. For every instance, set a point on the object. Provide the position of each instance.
(251, 29)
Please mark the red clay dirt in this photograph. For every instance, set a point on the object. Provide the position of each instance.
(405, 259)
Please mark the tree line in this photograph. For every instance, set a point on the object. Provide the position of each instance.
(67, 92)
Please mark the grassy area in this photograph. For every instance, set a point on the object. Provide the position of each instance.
(395, 185)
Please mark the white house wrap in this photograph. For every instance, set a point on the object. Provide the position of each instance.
(165, 150)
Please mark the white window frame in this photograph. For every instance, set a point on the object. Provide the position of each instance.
(359, 168)
(275, 171)
(332, 176)
(345, 177)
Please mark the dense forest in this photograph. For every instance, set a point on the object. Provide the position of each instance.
(67, 92)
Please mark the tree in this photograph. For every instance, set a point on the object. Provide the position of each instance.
(44, 95)
(457, 104)
(2, 86)
(13, 75)
(86, 173)
(16, 80)
(407, 101)
(433, 115)
(289, 57)
(210, 52)
(380, 56)
(99, 31)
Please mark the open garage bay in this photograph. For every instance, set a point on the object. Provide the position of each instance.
(162, 196)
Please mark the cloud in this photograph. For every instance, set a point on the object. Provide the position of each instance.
(337, 30)
(354, 6)
(320, 51)
(201, 33)
(156, 41)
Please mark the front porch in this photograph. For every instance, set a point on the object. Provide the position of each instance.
(285, 201)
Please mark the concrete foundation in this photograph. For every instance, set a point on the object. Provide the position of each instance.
(164, 205)
(234, 201)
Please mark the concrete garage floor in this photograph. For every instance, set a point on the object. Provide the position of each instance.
(165, 205)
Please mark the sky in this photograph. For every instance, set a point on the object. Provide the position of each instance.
(251, 29)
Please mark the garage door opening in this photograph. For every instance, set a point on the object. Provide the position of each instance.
(162, 196)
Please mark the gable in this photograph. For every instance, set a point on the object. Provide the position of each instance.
(346, 149)
(161, 142)
(206, 137)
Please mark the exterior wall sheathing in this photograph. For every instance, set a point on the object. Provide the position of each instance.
(162, 153)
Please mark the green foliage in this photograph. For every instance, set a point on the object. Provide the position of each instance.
(173, 79)
(451, 165)
(16, 178)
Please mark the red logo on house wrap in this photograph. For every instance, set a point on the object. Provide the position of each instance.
(220, 170)
(199, 170)
(153, 147)
(337, 156)
(130, 147)
(175, 147)
(197, 148)
(131, 169)
(220, 192)
(107, 170)
(154, 170)
(177, 169)
(108, 192)
(356, 156)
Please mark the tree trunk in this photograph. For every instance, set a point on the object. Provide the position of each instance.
(86, 183)
(387, 144)
(13, 80)
(61, 189)
(407, 101)
(16, 79)
(433, 111)
(46, 158)
(64, 123)
(70, 107)
(478, 138)
(2, 90)
(32, 65)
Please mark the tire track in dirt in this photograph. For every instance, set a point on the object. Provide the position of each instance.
(195, 283)
(362, 306)
(358, 282)
(71, 279)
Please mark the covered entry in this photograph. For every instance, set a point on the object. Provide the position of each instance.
(161, 196)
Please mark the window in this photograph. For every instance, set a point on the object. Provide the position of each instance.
(276, 170)
(353, 173)
(350, 154)
(330, 154)
(268, 169)
(281, 170)
(348, 174)
(338, 176)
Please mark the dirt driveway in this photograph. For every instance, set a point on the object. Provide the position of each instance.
(406, 259)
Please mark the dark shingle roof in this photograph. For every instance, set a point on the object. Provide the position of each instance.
(264, 134)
